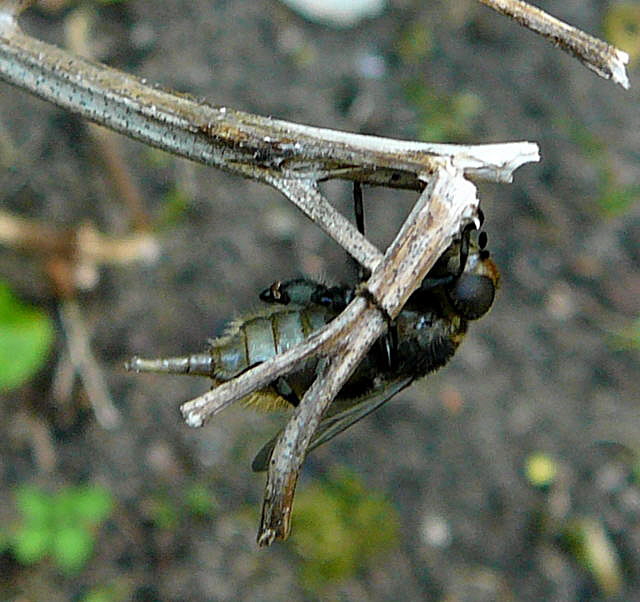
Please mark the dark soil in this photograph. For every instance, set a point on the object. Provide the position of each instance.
(543, 373)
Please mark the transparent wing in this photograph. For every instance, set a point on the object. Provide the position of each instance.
(332, 425)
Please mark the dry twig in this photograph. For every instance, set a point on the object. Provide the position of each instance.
(84, 247)
(606, 60)
(85, 365)
(72, 259)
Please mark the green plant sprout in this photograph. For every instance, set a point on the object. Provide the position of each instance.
(199, 501)
(168, 512)
(591, 545)
(26, 335)
(62, 526)
(341, 525)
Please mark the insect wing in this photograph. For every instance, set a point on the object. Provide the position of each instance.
(334, 425)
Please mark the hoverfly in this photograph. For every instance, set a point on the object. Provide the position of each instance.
(460, 287)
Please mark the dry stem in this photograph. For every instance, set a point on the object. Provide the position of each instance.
(606, 60)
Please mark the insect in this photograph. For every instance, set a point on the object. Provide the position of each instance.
(459, 288)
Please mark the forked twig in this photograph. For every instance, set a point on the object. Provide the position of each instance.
(86, 366)
(440, 213)
(272, 151)
(84, 247)
(72, 259)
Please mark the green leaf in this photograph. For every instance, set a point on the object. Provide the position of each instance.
(31, 544)
(26, 335)
(64, 507)
(72, 546)
(93, 503)
(35, 506)
(200, 501)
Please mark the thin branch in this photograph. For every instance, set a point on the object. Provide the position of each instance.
(307, 197)
(86, 366)
(84, 246)
(33, 429)
(606, 60)
(96, 248)
(253, 146)
(197, 411)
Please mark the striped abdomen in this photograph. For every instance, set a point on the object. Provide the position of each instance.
(251, 341)
(246, 343)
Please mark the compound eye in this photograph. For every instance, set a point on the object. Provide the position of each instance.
(472, 295)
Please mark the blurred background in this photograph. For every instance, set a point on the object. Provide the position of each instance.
(512, 474)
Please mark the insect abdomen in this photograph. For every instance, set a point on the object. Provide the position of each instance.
(250, 342)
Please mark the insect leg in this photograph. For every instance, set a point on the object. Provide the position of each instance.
(358, 209)
(390, 340)
(391, 347)
(464, 247)
(465, 238)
